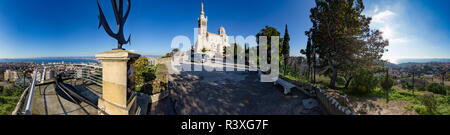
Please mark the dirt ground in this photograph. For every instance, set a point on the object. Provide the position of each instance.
(378, 106)
(6, 84)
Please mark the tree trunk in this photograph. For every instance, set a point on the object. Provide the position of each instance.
(443, 84)
(310, 73)
(387, 96)
(334, 71)
(413, 86)
(314, 63)
(314, 72)
(347, 82)
(333, 78)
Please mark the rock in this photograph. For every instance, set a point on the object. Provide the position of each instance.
(156, 91)
(348, 112)
(309, 103)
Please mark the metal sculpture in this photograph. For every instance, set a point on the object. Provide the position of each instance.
(120, 19)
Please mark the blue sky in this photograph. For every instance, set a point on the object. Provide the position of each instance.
(46, 28)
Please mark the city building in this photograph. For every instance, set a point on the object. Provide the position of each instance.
(11, 75)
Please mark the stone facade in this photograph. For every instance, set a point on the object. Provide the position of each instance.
(119, 95)
(211, 42)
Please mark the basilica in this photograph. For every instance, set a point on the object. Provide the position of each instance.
(207, 42)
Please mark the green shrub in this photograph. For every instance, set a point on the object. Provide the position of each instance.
(364, 82)
(7, 92)
(387, 84)
(2, 101)
(447, 99)
(146, 88)
(435, 88)
(421, 109)
(407, 85)
(158, 77)
(429, 101)
(340, 80)
(8, 103)
(6, 109)
(142, 71)
(443, 109)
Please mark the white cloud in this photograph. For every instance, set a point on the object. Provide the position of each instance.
(386, 21)
(398, 40)
(387, 32)
(376, 9)
(382, 17)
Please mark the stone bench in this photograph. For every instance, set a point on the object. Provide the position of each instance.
(286, 85)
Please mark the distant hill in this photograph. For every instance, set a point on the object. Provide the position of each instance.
(392, 65)
(411, 60)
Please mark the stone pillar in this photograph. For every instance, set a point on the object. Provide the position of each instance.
(119, 96)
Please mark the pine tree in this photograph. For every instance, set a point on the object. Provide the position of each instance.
(387, 85)
(285, 50)
(308, 54)
(342, 38)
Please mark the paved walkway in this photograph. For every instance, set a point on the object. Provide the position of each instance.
(46, 101)
(229, 93)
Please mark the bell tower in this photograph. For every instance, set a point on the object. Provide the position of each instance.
(202, 23)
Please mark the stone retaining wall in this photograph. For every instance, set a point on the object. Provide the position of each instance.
(163, 60)
(330, 103)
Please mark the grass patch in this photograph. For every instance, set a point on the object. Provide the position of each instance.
(8, 100)
(303, 80)
(416, 100)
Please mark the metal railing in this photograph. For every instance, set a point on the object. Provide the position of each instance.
(91, 74)
(31, 93)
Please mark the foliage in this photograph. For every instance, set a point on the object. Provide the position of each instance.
(285, 50)
(160, 71)
(407, 85)
(342, 37)
(387, 84)
(204, 50)
(8, 100)
(429, 101)
(237, 49)
(224, 51)
(158, 77)
(269, 31)
(7, 92)
(364, 82)
(310, 56)
(435, 88)
(175, 50)
(171, 53)
(142, 71)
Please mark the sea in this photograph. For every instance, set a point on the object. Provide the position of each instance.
(49, 60)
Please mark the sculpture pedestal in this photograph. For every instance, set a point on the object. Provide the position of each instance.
(119, 96)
